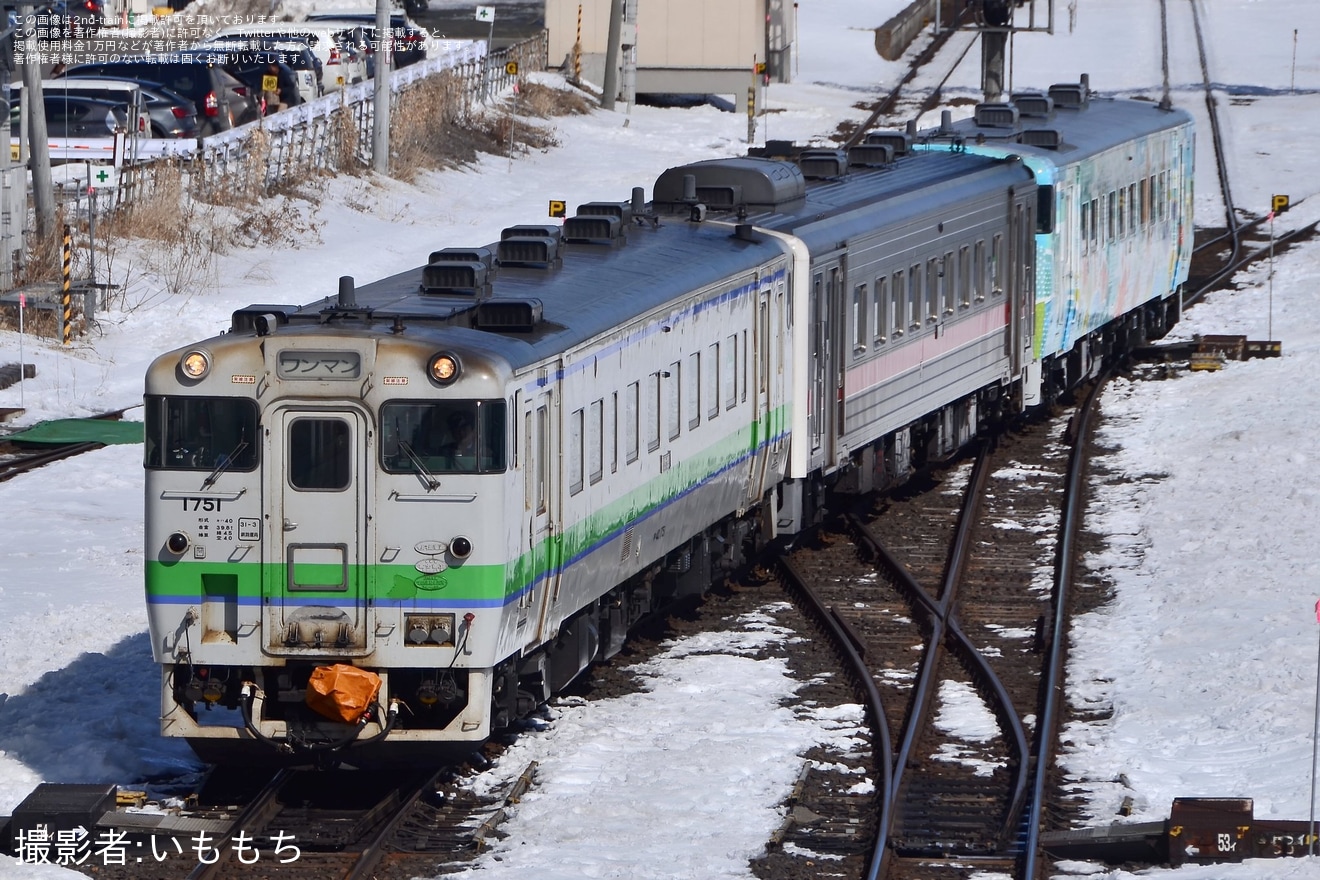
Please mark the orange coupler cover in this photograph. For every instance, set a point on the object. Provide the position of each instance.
(342, 692)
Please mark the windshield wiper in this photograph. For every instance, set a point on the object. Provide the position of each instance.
(224, 464)
(430, 480)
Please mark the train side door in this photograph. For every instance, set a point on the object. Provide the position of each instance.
(1017, 270)
(828, 343)
(315, 588)
(540, 506)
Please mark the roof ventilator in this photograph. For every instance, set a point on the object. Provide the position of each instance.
(1033, 104)
(462, 271)
(593, 229)
(898, 141)
(531, 246)
(870, 155)
(996, 115)
(622, 210)
(1047, 138)
(823, 164)
(508, 315)
(1073, 96)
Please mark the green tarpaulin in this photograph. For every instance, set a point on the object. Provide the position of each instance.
(64, 431)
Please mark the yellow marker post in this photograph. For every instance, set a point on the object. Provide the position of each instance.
(66, 294)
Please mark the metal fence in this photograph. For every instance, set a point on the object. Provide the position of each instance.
(328, 135)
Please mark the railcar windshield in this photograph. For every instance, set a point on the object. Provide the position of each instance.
(443, 436)
(200, 433)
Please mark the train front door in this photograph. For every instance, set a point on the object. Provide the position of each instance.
(315, 590)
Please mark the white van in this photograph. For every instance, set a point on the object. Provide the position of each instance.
(343, 61)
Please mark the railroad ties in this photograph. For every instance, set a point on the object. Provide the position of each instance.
(298, 823)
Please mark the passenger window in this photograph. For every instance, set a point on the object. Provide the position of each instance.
(965, 277)
(934, 290)
(575, 452)
(978, 272)
(914, 297)
(631, 422)
(729, 372)
(879, 309)
(947, 282)
(692, 393)
(541, 458)
(596, 441)
(859, 318)
(653, 412)
(674, 387)
(900, 303)
(710, 381)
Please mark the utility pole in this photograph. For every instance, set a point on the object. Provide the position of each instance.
(43, 189)
(380, 124)
(610, 88)
(13, 182)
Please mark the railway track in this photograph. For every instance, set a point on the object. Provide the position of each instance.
(16, 460)
(950, 595)
(323, 824)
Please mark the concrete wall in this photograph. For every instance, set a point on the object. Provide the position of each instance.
(894, 36)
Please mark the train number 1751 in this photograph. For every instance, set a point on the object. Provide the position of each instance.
(201, 504)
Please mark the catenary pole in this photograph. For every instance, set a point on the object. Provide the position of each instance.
(1315, 740)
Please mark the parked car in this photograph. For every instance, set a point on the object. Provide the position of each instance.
(255, 72)
(224, 101)
(169, 114)
(343, 62)
(242, 58)
(409, 38)
(77, 118)
(69, 18)
(303, 59)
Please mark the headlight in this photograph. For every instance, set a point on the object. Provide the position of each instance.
(444, 368)
(195, 364)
